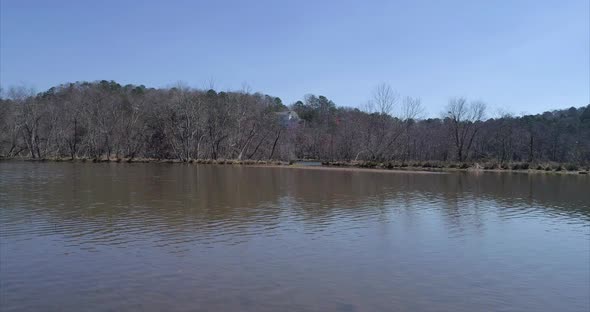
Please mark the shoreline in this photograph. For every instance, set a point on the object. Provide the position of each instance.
(412, 167)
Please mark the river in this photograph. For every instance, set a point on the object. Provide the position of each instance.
(174, 237)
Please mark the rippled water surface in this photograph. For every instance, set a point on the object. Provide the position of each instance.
(160, 237)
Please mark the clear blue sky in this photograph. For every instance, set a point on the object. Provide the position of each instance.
(522, 56)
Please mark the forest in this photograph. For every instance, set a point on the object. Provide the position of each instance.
(104, 120)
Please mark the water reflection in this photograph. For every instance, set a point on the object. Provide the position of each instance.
(188, 237)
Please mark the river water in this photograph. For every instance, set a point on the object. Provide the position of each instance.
(173, 237)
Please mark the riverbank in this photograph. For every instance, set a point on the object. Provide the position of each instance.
(524, 167)
(153, 160)
(412, 166)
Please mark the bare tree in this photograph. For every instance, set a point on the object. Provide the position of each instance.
(383, 101)
(411, 108)
(465, 120)
(104, 119)
(183, 126)
(29, 115)
(10, 128)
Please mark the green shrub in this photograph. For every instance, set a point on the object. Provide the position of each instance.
(367, 164)
(491, 165)
(571, 167)
(520, 166)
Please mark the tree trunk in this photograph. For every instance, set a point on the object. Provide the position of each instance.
(274, 145)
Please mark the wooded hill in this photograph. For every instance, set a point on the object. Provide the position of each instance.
(107, 120)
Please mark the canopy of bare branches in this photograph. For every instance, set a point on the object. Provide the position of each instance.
(107, 120)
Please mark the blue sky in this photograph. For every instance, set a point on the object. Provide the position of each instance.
(519, 56)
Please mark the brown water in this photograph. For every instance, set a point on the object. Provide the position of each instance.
(157, 237)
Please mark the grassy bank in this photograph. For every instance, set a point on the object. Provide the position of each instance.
(433, 166)
(465, 166)
(154, 160)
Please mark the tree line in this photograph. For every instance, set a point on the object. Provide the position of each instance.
(106, 120)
